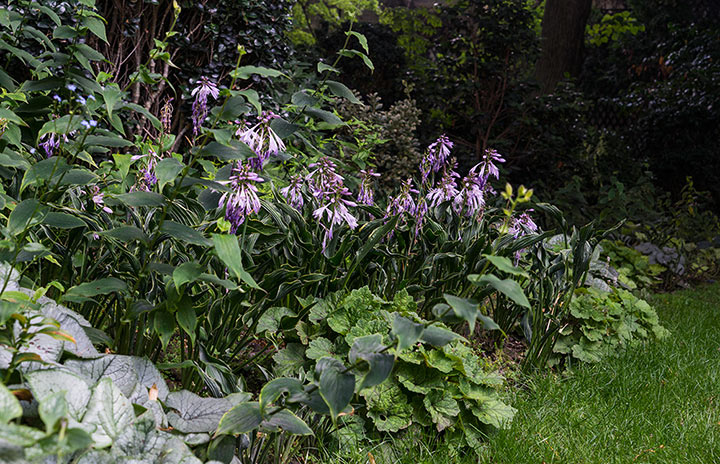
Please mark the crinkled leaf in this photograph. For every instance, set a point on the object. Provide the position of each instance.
(109, 412)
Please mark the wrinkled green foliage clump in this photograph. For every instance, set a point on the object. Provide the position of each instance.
(603, 322)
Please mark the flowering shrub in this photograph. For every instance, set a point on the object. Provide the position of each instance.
(191, 254)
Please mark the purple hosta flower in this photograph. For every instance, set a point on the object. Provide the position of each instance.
(336, 211)
(71, 87)
(199, 107)
(166, 114)
(487, 165)
(57, 98)
(148, 171)
(420, 213)
(262, 139)
(366, 195)
(446, 189)
(472, 195)
(323, 180)
(50, 142)
(293, 192)
(439, 152)
(520, 226)
(404, 202)
(97, 198)
(243, 200)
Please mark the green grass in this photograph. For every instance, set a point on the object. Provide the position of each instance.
(657, 403)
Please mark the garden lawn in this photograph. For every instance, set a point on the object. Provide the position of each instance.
(658, 403)
(654, 403)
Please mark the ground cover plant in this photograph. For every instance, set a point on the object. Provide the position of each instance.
(239, 284)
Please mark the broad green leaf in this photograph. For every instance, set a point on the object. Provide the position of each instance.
(507, 287)
(164, 324)
(186, 316)
(26, 213)
(336, 386)
(253, 98)
(370, 348)
(96, 26)
(228, 251)
(167, 171)
(463, 308)
(243, 418)
(243, 72)
(185, 233)
(363, 56)
(274, 389)
(341, 90)
(504, 264)
(12, 117)
(322, 67)
(9, 405)
(287, 421)
(361, 38)
(112, 95)
(63, 221)
(125, 234)
(494, 412)
(109, 411)
(141, 199)
(186, 273)
(438, 336)
(96, 287)
(406, 331)
(330, 118)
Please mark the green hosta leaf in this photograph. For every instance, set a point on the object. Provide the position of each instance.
(406, 331)
(167, 171)
(109, 412)
(125, 234)
(26, 213)
(507, 287)
(94, 288)
(62, 220)
(243, 418)
(9, 405)
(191, 413)
(276, 388)
(285, 420)
(504, 264)
(336, 386)
(185, 233)
(369, 349)
(228, 251)
(137, 199)
(341, 90)
(186, 316)
(442, 408)
(439, 336)
(187, 273)
(164, 324)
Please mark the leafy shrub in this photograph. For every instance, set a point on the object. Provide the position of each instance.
(603, 322)
(449, 388)
(634, 268)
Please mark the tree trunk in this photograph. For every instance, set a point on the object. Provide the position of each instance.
(563, 35)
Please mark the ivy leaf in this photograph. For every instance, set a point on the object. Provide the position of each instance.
(336, 386)
(369, 349)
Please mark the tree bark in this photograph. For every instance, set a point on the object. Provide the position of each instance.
(563, 36)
